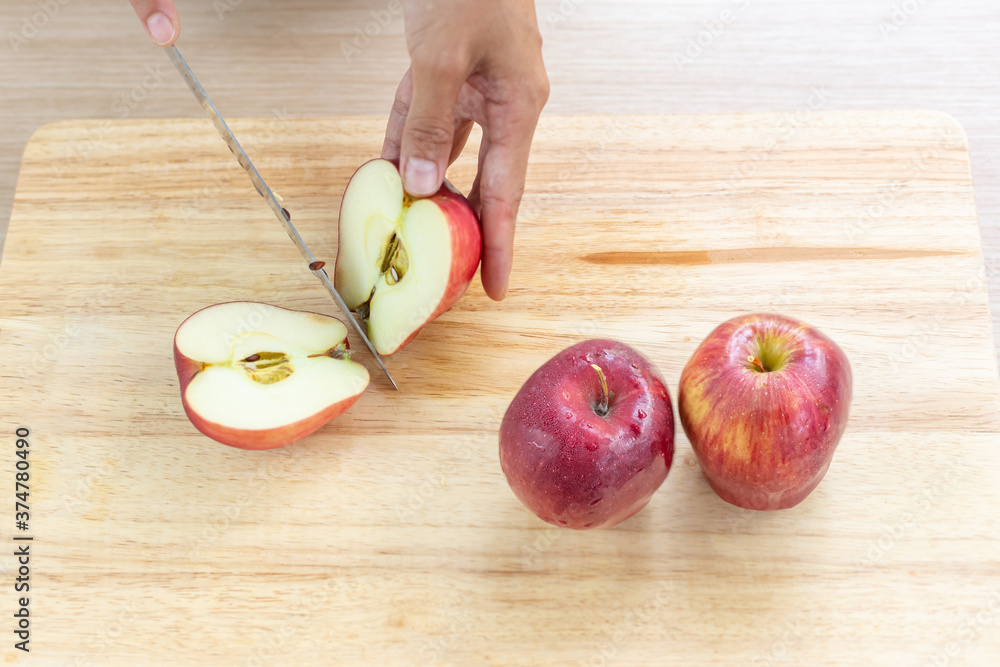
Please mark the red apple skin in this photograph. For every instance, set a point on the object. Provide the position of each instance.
(187, 368)
(466, 244)
(765, 440)
(569, 465)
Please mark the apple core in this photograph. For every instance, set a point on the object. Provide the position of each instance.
(268, 367)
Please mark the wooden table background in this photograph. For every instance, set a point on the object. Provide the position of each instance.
(90, 59)
(259, 58)
(390, 537)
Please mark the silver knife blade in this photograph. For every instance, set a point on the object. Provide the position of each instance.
(227, 135)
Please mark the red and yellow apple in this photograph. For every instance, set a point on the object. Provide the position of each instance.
(257, 376)
(402, 262)
(764, 401)
(589, 437)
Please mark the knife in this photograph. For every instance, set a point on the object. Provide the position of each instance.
(227, 135)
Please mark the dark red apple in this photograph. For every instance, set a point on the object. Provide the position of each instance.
(589, 437)
(764, 401)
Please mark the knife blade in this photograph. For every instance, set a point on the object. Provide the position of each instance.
(283, 216)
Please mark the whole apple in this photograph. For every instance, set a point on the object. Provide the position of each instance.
(589, 437)
(764, 401)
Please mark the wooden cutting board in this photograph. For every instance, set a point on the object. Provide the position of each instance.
(390, 536)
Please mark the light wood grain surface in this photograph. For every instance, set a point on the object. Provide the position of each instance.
(261, 57)
(390, 536)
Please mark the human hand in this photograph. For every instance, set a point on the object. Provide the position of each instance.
(471, 61)
(160, 19)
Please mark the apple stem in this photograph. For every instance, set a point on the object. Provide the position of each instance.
(756, 363)
(602, 408)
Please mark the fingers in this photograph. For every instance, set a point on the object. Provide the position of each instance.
(160, 20)
(429, 129)
(464, 113)
(484, 149)
(463, 128)
(397, 118)
(501, 186)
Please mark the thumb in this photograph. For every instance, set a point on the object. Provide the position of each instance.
(430, 128)
(160, 20)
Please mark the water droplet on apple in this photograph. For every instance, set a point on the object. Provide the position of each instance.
(642, 414)
(569, 415)
(594, 501)
(591, 446)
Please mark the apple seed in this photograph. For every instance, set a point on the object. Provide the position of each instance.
(395, 261)
(268, 367)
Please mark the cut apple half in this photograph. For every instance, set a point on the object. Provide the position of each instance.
(402, 262)
(258, 376)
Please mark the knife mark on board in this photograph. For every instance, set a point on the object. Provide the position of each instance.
(757, 255)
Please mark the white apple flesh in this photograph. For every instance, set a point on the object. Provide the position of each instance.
(402, 262)
(257, 376)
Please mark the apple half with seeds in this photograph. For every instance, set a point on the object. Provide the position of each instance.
(257, 376)
(402, 262)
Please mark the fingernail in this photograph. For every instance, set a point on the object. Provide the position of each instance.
(421, 176)
(160, 28)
